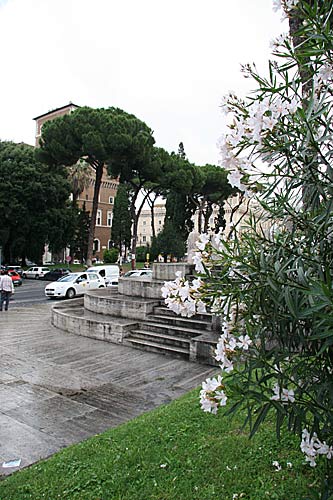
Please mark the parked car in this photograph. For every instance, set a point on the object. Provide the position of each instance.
(18, 269)
(55, 274)
(74, 284)
(135, 273)
(16, 278)
(35, 272)
(109, 272)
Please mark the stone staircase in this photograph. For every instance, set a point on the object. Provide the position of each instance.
(134, 316)
(165, 332)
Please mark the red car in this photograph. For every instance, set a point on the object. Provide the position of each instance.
(16, 278)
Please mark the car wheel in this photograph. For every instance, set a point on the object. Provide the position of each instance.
(70, 294)
(24, 275)
(36, 277)
(101, 286)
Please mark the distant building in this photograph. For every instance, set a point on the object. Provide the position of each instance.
(237, 212)
(107, 193)
(145, 230)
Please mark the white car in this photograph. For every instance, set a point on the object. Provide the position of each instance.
(110, 273)
(74, 284)
(135, 273)
(35, 272)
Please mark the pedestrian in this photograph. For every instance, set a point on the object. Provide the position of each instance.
(6, 290)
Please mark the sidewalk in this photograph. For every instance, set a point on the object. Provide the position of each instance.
(57, 389)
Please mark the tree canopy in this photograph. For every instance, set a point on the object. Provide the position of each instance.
(101, 137)
(34, 204)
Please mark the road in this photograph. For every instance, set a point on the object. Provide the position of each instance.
(29, 293)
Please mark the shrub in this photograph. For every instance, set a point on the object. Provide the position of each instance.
(110, 256)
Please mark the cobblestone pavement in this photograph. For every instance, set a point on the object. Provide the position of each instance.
(57, 389)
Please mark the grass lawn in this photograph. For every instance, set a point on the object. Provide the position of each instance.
(174, 452)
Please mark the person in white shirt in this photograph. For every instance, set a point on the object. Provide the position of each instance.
(6, 290)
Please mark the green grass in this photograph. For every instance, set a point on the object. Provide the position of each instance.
(175, 452)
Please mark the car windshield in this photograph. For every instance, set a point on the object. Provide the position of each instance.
(70, 277)
(129, 273)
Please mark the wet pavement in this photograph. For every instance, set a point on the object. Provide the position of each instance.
(57, 388)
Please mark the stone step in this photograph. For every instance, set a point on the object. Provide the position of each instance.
(144, 345)
(80, 321)
(174, 330)
(180, 321)
(161, 338)
(165, 311)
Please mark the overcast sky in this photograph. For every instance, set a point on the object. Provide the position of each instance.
(169, 62)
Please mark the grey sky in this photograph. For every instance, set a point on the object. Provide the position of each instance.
(168, 62)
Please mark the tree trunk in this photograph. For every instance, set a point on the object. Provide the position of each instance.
(200, 213)
(151, 203)
(98, 167)
(206, 215)
(135, 217)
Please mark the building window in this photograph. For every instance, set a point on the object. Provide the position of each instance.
(144, 239)
(109, 244)
(109, 218)
(87, 197)
(144, 222)
(99, 218)
(97, 245)
(111, 200)
(159, 222)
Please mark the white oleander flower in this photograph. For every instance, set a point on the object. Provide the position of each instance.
(198, 262)
(282, 394)
(202, 241)
(244, 342)
(234, 179)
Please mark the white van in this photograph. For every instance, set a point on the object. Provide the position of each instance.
(110, 273)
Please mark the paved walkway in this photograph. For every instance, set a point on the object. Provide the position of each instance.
(57, 389)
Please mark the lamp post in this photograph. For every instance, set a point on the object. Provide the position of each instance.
(0, 256)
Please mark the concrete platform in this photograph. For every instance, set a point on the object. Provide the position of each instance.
(57, 389)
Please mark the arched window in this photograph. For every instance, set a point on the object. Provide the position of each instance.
(97, 245)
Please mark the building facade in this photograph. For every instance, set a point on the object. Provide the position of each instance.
(237, 213)
(145, 229)
(108, 189)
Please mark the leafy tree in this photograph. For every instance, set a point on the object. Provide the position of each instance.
(141, 172)
(101, 137)
(79, 243)
(214, 191)
(141, 253)
(121, 221)
(181, 151)
(169, 242)
(181, 181)
(79, 175)
(34, 203)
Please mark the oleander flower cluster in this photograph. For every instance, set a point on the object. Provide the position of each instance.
(212, 395)
(207, 251)
(183, 297)
(229, 348)
(251, 124)
(283, 394)
(312, 447)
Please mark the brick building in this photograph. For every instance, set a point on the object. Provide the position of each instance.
(107, 193)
